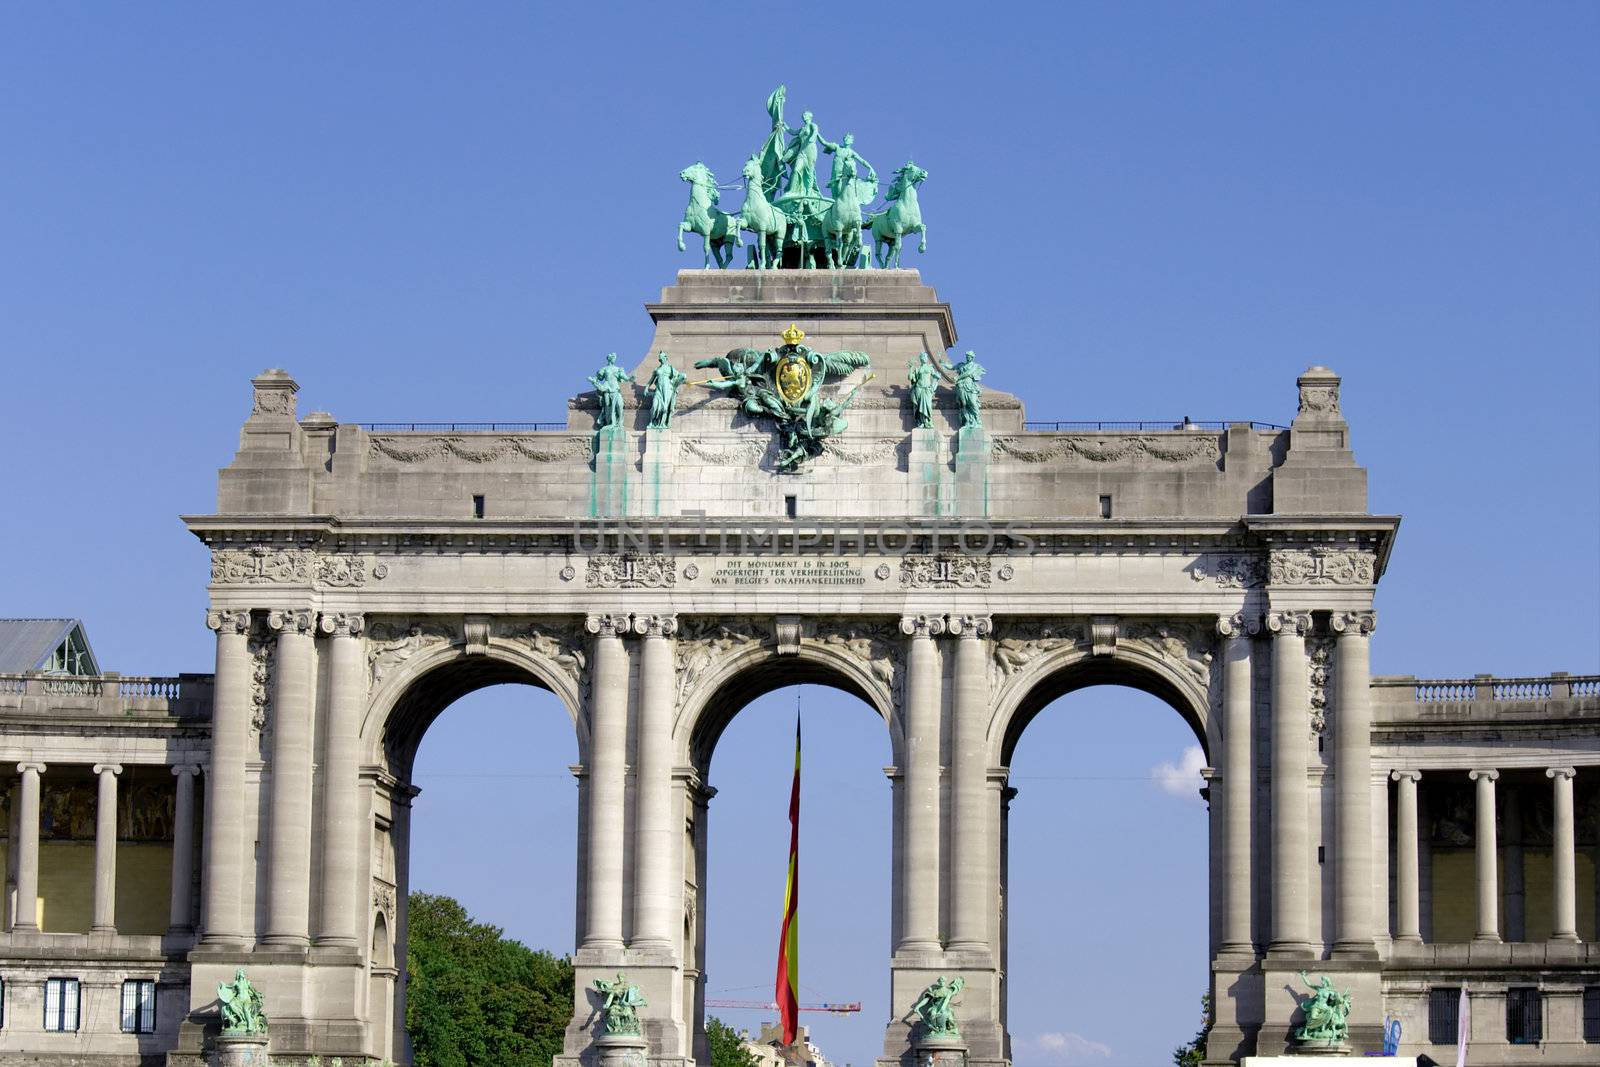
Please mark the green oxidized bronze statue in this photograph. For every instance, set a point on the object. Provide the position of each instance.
(924, 379)
(621, 1003)
(934, 1009)
(607, 382)
(796, 223)
(786, 384)
(241, 1004)
(664, 383)
(969, 372)
(1327, 1014)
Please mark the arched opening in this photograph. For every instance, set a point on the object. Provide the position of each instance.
(473, 757)
(1105, 866)
(846, 853)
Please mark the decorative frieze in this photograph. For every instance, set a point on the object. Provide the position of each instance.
(878, 452)
(653, 570)
(1319, 392)
(261, 565)
(742, 454)
(412, 448)
(345, 572)
(946, 569)
(1322, 566)
(1114, 448)
(276, 565)
(1230, 571)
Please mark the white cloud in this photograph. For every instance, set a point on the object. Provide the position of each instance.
(1183, 778)
(1063, 1048)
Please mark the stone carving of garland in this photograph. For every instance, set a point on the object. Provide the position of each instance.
(1319, 650)
(263, 650)
(742, 454)
(581, 448)
(1167, 448)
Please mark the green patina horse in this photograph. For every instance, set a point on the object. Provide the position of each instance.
(719, 229)
(762, 219)
(841, 226)
(903, 216)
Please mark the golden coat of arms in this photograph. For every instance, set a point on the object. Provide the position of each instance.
(792, 378)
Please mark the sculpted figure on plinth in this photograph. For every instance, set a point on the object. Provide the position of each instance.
(242, 1008)
(1327, 1013)
(969, 372)
(621, 1005)
(607, 382)
(664, 384)
(934, 1008)
(924, 379)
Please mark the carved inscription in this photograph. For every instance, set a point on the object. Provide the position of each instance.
(788, 572)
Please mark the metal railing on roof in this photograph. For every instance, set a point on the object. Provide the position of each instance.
(461, 427)
(1147, 426)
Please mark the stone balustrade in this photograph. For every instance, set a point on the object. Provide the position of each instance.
(186, 696)
(1398, 699)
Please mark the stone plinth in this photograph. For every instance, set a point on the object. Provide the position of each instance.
(946, 1051)
(1304, 1057)
(241, 1050)
(621, 1050)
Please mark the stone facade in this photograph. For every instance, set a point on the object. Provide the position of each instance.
(957, 581)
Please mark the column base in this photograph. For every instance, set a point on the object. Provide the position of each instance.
(1290, 950)
(1408, 939)
(1355, 950)
(338, 942)
(1487, 939)
(621, 1050)
(289, 941)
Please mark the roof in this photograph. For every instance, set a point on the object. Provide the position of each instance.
(28, 644)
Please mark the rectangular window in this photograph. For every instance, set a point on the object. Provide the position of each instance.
(61, 1004)
(1591, 1014)
(139, 1006)
(477, 507)
(1105, 507)
(1444, 1004)
(1524, 1016)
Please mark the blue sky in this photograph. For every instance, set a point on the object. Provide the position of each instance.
(1138, 211)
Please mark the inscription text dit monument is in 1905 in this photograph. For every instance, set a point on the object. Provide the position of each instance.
(788, 572)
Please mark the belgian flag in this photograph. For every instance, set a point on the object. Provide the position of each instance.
(787, 995)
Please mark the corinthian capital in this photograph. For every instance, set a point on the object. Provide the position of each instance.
(291, 620)
(1289, 623)
(972, 625)
(228, 622)
(922, 625)
(655, 625)
(1354, 623)
(342, 624)
(607, 625)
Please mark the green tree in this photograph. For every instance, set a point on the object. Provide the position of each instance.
(1194, 1053)
(474, 998)
(727, 1047)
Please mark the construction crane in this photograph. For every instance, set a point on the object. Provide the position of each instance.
(767, 1005)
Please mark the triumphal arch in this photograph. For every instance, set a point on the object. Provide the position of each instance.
(795, 483)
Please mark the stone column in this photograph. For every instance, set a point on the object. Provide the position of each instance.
(342, 918)
(971, 892)
(1484, 845)
(658, 821)
(1563, 859)
(1291, 726)
(608, 757)
(223, 847)
(920, 878)
(289, 832)
(1352, 765)
(182, 920)
(1238, 784)
(1407, 881)
(105, 849)
(26, 918)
